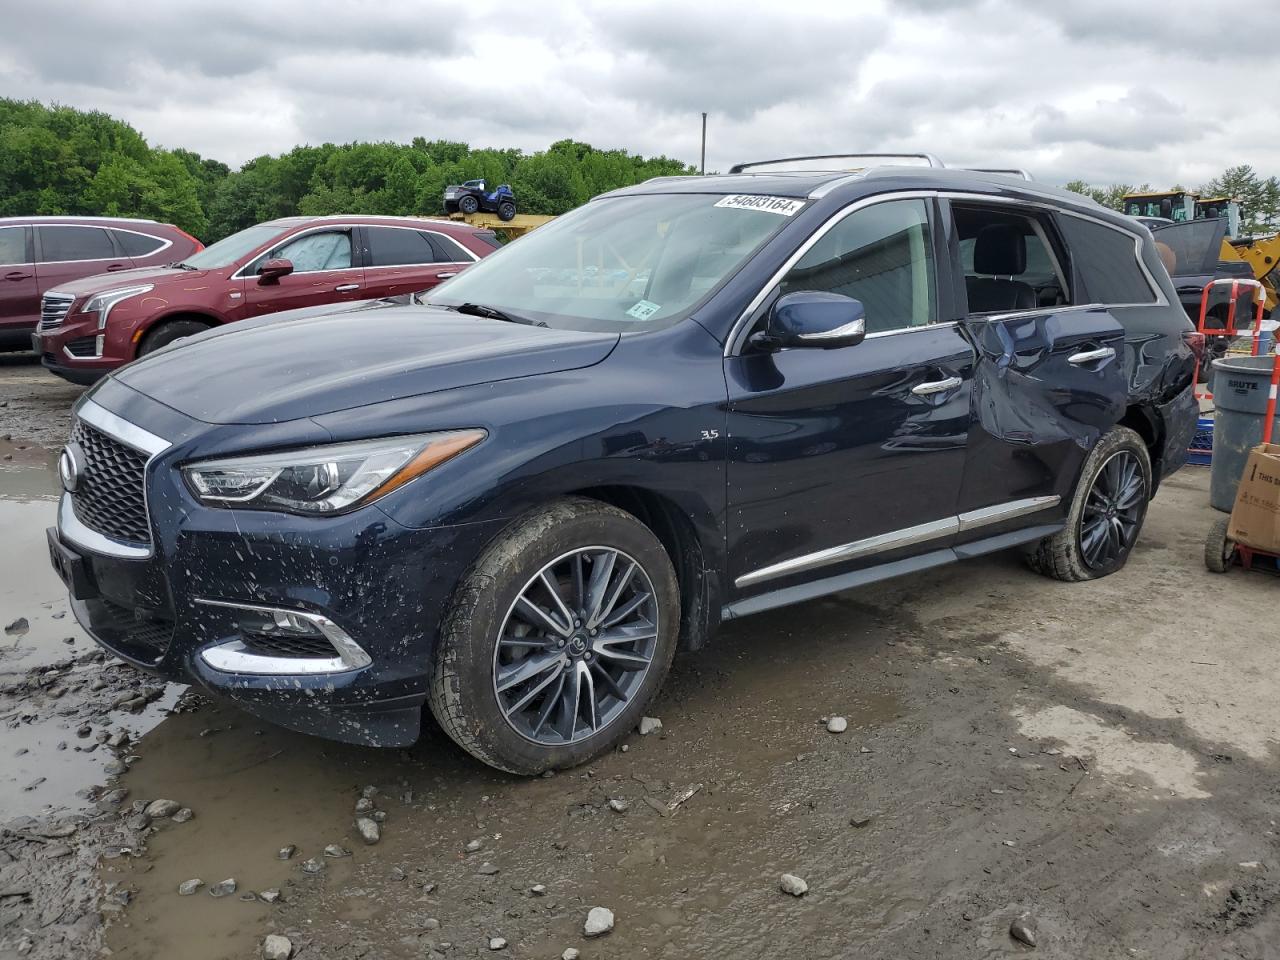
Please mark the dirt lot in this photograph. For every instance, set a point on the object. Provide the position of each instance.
(1102, 759)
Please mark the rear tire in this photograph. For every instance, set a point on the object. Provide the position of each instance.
(167, 333)
(1103, 524)
(468, 205)
(1219, 550)
(473, 693)
(506, 211)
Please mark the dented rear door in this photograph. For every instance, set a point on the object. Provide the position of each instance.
(1048, 384)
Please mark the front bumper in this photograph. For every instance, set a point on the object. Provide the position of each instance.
(190, 606)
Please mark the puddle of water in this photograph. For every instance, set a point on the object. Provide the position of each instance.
(28, 586)
(736, 718)
(43, 763)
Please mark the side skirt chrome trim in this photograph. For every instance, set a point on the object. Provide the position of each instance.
(896, 539)
(883, 571)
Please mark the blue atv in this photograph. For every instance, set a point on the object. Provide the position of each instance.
(471, 196)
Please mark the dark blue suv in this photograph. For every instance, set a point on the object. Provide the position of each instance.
(684, 402)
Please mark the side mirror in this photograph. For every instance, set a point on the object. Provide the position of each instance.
(273, 270)
(813, 318)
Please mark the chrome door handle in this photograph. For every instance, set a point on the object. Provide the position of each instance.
(446, 276)
(936, 386)
(344, 287)
(1088, 356)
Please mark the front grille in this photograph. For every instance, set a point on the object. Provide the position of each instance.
(111, 497)
(279, 645)
(83, 347)
(53, 310)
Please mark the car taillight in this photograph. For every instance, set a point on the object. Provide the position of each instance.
(1195, 340)
(199, 245)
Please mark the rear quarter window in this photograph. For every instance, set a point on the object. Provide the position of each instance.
(138, 244)
(1106, 262)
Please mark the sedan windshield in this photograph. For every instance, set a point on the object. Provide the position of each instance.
(229, 250)
(621, 263)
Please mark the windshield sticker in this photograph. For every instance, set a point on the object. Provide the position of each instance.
(643, 310)
(783, 206)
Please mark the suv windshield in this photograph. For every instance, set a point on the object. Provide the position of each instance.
(630, 262)
(229, 250)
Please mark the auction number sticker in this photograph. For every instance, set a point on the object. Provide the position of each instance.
(643, 310)
(783, 206)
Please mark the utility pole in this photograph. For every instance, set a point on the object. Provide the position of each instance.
(704, 144)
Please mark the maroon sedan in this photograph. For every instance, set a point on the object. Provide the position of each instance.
(88, 327)
(40, 253)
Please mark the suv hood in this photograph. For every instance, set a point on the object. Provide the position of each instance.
(268, 370)
(101, 282)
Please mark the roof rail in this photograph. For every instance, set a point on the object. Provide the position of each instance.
(832, 163)
(674, 176)
(1006, 171)
(56, 218)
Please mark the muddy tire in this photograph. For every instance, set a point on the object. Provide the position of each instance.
(1218, 547)
(170, 332)
(531, 674)
(1107, 511)
(468, 205)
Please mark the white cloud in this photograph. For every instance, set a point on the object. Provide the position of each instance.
(1110, 92)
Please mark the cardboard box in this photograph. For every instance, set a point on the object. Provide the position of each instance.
(1255, 518)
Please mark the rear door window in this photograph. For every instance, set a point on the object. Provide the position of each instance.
(138, 244)
(13, 245)
(397, 246)
(1106, 262)
(59, 244)
(1008, 260)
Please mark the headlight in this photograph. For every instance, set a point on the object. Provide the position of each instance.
(101, 303)
(326, 479)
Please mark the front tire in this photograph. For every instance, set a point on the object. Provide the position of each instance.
(167, 333)
(1107, 512)
(468, 205)
(557, 638)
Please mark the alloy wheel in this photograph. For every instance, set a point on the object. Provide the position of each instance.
(1112, 510)
(575, 646)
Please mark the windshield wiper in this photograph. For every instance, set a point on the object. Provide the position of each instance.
(493, 313)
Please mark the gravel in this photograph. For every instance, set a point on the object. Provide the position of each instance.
(276, 947)
(368, 829)
(188, 887)
(837, 725)
(649, 725)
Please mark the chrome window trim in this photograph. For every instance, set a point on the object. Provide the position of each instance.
(164, 244)
(738, 333)
(237, 657)
(896, 539)
(435, 233)
(1052, 207)
(62, 218)
(131, 435)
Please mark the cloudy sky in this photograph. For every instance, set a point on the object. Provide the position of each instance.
(1105, 90)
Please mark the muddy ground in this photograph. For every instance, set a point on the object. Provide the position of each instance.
(1100, 758)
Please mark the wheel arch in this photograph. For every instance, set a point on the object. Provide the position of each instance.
(199, 316)
(1143, 420)
(695, 569)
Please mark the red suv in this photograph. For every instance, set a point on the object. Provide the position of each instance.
(88, 327)
(40, 253)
